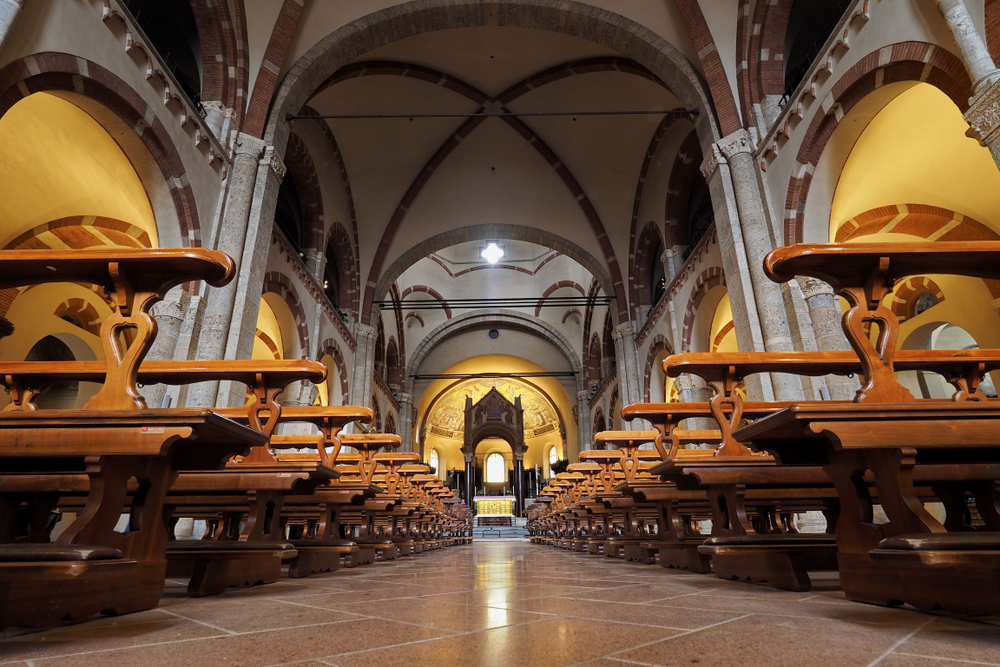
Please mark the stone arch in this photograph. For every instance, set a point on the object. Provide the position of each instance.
(278, 283)
(302, 171)
(500, 231)
(906, 293)
(339, 243)
(903, 61)
(685, 171)
(330, 347)
(657, 345)
(427, 290)
(392, 365)
(920, 220)
(123, 113)
(642, 266)
(476, 318)
(709, 278)
(219, 59)
(594, 359)
(73, 231)
(554, 287)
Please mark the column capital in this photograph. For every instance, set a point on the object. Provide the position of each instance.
(814, 287)
(583, 397)
(983, 116)
(403, 397)
(365, 331)
(736, 143)
(469, 457)
(623, 330)
(519, 456)
(711, 162)
(247, 145)
(274, 161)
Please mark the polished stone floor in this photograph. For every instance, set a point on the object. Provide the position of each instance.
(500, 603)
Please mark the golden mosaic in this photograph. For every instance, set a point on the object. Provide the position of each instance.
(447, 418)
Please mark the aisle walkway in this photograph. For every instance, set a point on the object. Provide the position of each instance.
(505, 603)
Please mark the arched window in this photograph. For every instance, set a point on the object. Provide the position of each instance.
(435, 462)
(496, 469)
(553, 457)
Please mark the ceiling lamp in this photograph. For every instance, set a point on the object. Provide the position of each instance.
(492, 253)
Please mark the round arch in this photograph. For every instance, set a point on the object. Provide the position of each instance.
(476, 318)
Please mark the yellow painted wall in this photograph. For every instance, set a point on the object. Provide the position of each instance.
(915, 151)
(58, 162)
(450, 450)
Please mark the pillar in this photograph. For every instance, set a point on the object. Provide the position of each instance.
(629, 374)
(364, 364)
(219, 310)
(9, 9)
(983, 114)
(734, 155)
(406, 421)
(469, 463)
(583, 424)
(519, 483)
(169, 315)
(826, 316)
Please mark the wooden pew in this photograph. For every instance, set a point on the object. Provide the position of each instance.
(914, 558)
(92, 568)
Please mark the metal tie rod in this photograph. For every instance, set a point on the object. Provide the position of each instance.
(484, 114)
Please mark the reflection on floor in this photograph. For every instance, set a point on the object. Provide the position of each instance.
(511, 603)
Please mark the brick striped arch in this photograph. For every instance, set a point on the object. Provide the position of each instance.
(49, 71)
(903, 61)
(723, 332)
(931, 223)
(415, 315)
(904, 297)
(992, 12)
(763, 73)
(330, 347)
(268, 343)
(82, 231)
(339, 243)
(278, 283)
(223, 71)
(657, 345)
(709, 278)
(428, 290)
(303, 172)
(81, 313)
(562, 284)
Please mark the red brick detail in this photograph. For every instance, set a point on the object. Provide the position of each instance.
(428, 290)
(658, 344)
(711, 63)
(400, 333)
(593, 361)
(682, 177)
(920, 220)
(242, 61)
(599, 423)
(993, 28)
(73, 231)
(303, 172)
(708, 279)
(278, 283)
(569, 313)
(742, 75)
(82, 314)
(642, 265)
(416, 316)
(377, 421)
(906, 293)
(587, 66)
(390, 424)
(765, 53)
(330, 347)
(654, 144)
(614, 406)
(723, 332)
(392, 367)
(908, 61)
(267, 76)
(592, 291)
(61, 71)
(219, 60)
(557, 286)
(391, 68)
(339, 243)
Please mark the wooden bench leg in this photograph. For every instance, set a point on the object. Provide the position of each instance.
(313, 560)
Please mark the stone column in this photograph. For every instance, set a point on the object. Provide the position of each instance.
(256, 247)
(169, 315)
(9, 9)
(975, 55)
(825, 313)
(983, 114)
(519, 483)
(736, 152)
(629, 374)
(470, 460)
(219, 311)
(406, 421)
(583, 424)
(364, 365)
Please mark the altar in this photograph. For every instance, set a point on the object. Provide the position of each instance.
(494, 510)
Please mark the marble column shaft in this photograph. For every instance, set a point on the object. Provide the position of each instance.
(737, 151)
(826, 316)
(219, 310)
(975, 54)
(629, 377)
(406, 421)
(364, 365)
(469, 474)
(583, 423)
